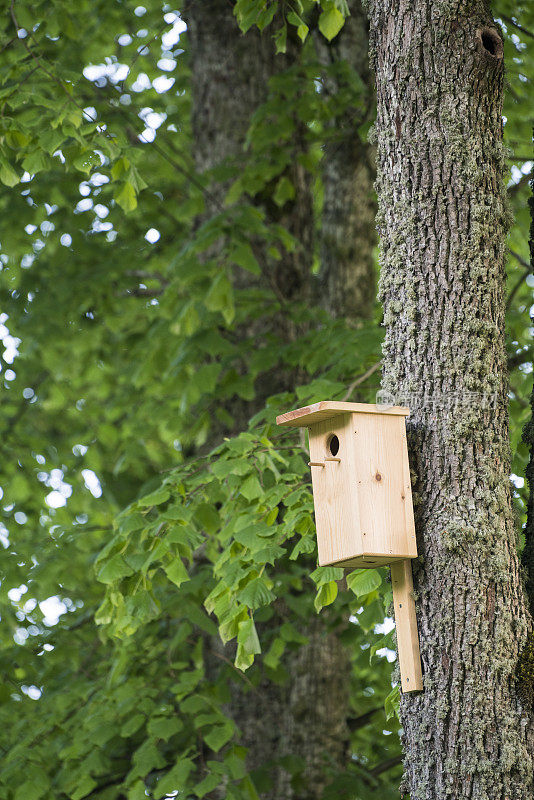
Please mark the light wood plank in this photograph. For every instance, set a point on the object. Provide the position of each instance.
(326, 409)
(382, 476)
(406, 624)
(334, 492)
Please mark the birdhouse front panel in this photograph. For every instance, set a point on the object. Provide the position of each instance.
(361, 482)
(382, 475)
(332, 460)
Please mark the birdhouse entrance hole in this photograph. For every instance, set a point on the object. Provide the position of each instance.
(333, 444)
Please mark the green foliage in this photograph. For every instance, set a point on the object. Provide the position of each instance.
(525, 673)
(328, 15)
(145, 485)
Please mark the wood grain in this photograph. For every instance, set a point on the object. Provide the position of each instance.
(335, 495)
(362, 495)
(326, 409)
(406, 624)
(382, 475)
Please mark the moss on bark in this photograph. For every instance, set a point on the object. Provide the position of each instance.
(443, 218)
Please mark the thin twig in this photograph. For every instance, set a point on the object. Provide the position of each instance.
(519, 258)
(515, 187)
(524, 275)
(380, 768)
(361, 378)
(516, 25)
(145, 275)
(241, 674)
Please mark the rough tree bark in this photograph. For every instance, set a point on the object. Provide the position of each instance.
(528, 436)
(347, 270)
(442, 222)
(526, 662)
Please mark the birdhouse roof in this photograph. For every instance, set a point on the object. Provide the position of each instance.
(326, 409)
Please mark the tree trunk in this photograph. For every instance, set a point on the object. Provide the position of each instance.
(347, 239)
(305, 718)
(528, 437)
(442, 222)
(229, 81)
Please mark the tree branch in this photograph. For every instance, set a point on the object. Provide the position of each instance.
(361, 378)
(523, 277)
(519, 27)
(380, 768)
(355, 723)
(514, 189)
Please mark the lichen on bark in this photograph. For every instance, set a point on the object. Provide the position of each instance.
(443, 218)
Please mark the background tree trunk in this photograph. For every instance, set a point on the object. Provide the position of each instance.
(442, 221)
(347, 273)
(307, 717)
(229, 81)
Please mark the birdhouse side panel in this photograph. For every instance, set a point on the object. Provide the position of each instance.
(384, 490)
(334, 491)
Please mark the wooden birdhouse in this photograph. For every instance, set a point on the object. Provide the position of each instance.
(363, 502)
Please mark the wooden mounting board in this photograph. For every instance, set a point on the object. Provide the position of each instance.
(406, 624)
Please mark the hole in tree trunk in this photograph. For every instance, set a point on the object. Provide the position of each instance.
(491, 42)
(333, 444)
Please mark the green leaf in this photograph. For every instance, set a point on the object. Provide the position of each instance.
(147, 757)
(272, 657)
(33, 788)
(126, 197)
(209, 783)
(175, 780)
(248, 644)
(284, 191)
(250, 488)
(298, 22)
(392, 703)
(221, 297)
(243, 256)
(323, 575)
(256, 594)
(280, 39)
(120, 168)
(84, 787)
(114, 570)
(154, 498)
(86, 161)
(326, 595)
(164, 727)
(35, 162)
(137, 791)
(330, 22)
(132, 725)
(219, 735)
(364, 581)
(234, 192)
(176, 572)
(8, 176)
